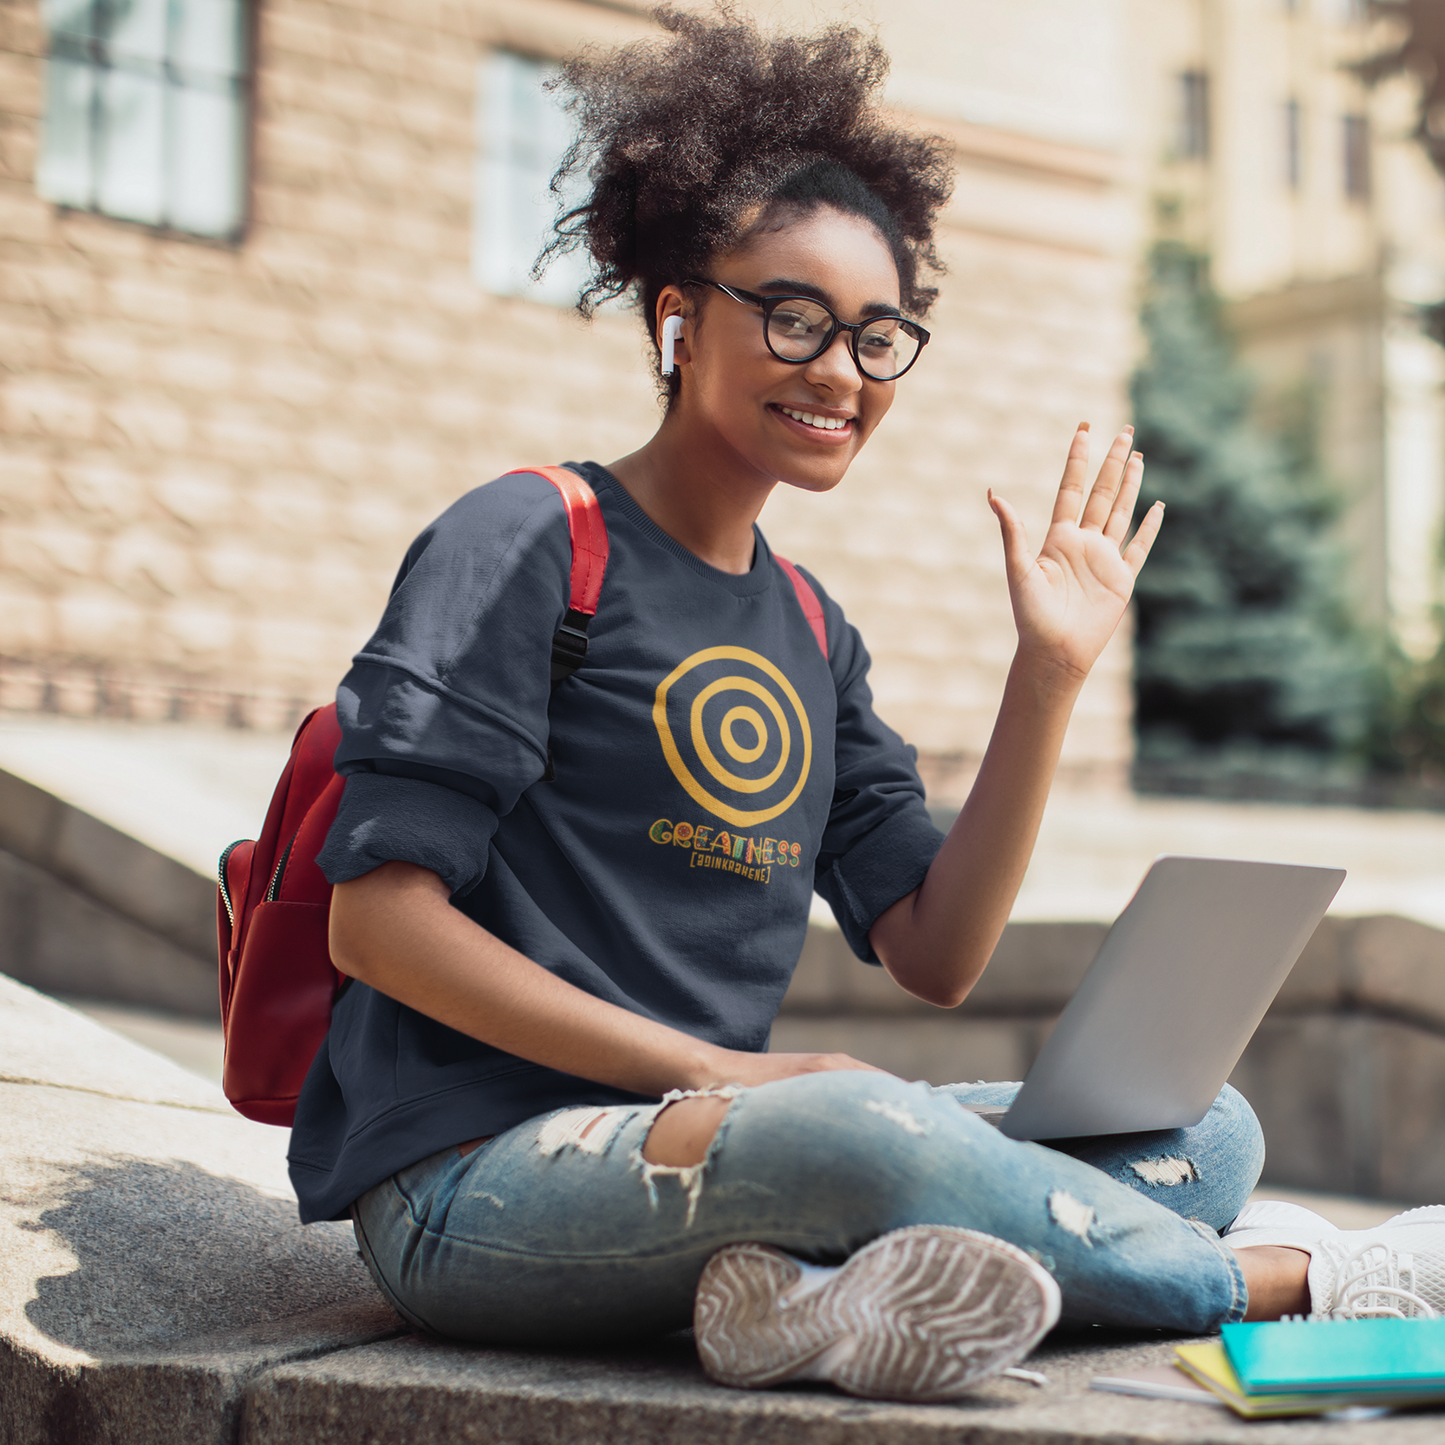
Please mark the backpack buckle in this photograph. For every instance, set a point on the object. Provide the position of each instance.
(569, 645)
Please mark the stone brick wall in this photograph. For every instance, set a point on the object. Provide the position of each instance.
(214, 456)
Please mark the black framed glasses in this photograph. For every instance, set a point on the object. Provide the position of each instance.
(799, 328)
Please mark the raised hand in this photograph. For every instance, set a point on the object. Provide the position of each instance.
(1068, 600)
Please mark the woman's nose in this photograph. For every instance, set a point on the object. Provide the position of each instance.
(835, 368)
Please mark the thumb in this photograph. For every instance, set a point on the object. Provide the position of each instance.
(1018, 557)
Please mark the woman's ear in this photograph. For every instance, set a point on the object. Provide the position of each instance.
(671, 329)
(670, 322)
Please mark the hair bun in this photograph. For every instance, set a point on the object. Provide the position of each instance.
(684, 137)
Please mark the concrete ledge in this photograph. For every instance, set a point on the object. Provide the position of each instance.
(44, 1043)
(58, 938)
(1394, 967)
(155, 1288)
(135, 881)
(1350, 1104)
(151, 1262)
(88, 910)
(412, 1390)
(1034, 971)
(160, 1397)
(1347, 1071)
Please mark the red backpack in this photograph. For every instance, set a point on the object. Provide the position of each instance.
(273, 902)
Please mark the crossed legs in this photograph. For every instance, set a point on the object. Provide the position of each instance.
(1274, 1276)
(596, 1223)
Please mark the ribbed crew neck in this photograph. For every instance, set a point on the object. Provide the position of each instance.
(758, 579)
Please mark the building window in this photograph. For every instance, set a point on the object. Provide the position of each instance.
(145, 111)
(1293, 161)
(522, 134)
(1192, 139)
(1357, 157)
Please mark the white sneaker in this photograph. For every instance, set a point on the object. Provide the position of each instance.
(1277, 1221)
(1397, 1268)
(920, 1314)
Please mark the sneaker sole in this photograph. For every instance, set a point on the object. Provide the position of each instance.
(920, 1314)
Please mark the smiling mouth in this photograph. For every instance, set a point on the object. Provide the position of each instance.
(818, 423)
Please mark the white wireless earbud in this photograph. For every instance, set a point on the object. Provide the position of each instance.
(670, 330)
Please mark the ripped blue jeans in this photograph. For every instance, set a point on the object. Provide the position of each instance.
(559, 1232)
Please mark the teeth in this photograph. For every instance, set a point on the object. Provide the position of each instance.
(823, 423)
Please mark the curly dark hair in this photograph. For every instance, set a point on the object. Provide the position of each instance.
(691, 142)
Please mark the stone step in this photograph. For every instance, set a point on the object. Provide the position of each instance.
(151, 1261)
(412, 1390)
(156, 1288)
(87, 909)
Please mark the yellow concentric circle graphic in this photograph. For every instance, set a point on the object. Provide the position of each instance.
(745, 733)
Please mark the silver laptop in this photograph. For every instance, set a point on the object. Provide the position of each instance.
(1175, 993)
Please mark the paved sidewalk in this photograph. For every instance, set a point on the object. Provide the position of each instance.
(1094, 848)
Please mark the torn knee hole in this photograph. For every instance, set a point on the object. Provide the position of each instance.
(684, 1129)
(583, 1131)
(1165, 1172)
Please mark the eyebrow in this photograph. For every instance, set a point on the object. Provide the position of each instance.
(805, 288)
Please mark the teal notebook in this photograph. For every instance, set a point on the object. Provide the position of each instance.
(1289, 1356)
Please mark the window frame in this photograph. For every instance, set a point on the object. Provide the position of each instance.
(1193, 140)
(1356, 169)
(1292, 115)
(510, 278)
(245, 91)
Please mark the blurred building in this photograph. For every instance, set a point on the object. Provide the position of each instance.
(1325, 225)
(266, 310)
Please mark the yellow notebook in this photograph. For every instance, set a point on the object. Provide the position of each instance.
(1210, 1365)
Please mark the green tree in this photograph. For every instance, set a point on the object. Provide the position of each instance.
(1243, 638)
(1407, 723)
(1418, 51)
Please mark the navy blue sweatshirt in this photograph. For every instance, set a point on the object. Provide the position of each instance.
(712, 770)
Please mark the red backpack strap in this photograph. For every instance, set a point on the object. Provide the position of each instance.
(807, 600)
(589, 565)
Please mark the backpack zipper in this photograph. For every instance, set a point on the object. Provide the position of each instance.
(225, 884)
(275, 885)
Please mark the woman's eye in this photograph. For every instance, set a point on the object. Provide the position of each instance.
(794, 323)
(879, 339)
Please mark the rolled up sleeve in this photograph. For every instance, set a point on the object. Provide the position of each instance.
(399, 819)
(444, 711)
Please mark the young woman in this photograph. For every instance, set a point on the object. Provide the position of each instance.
(570, 915)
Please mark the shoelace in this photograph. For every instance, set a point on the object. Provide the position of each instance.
(1365, 1288)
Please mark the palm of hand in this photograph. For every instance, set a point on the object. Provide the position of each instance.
(1067, 600)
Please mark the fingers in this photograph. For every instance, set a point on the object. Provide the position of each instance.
(1138, 550)
(1106, 485)
(1117, 527)
(1076, 470)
